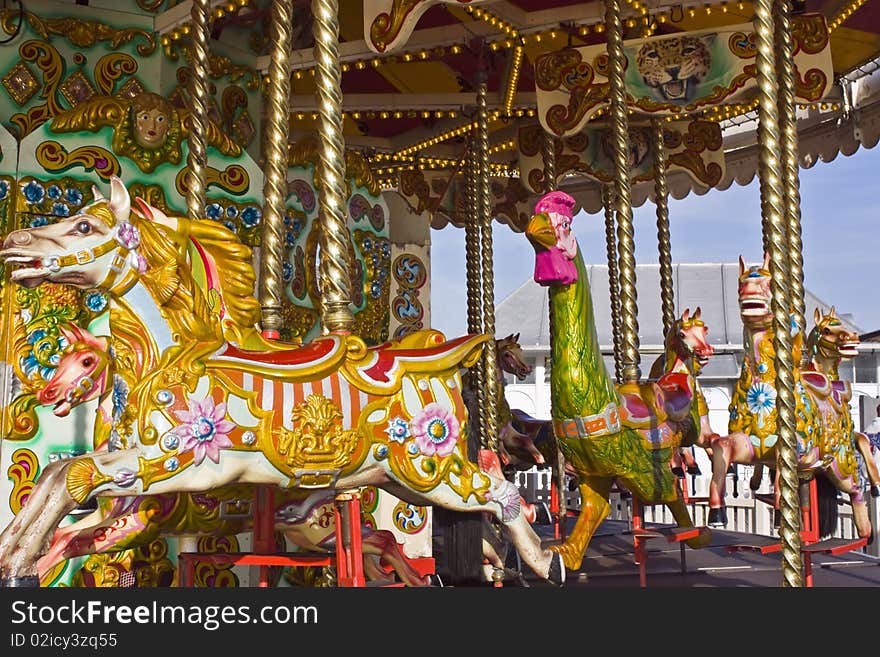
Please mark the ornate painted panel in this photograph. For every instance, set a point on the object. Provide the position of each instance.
(692, 147)
(675, 74)
(370, 248)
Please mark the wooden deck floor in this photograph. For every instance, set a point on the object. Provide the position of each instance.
(609, 562)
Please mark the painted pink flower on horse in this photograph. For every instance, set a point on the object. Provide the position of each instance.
(436, 430)
(205, 430)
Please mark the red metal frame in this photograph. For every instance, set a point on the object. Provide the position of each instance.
(810, 539)
(348, 556)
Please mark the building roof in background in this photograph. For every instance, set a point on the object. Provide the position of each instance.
(711, 286)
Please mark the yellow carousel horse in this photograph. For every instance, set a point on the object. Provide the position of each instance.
(825, 442)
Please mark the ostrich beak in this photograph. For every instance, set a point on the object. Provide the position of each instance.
(540, 232)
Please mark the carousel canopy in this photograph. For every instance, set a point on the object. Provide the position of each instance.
(410, 71)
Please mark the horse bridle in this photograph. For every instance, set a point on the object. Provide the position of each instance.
(56, 263)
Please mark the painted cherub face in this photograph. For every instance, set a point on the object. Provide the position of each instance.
(151, 127)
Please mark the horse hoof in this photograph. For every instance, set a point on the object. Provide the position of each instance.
(678, 472)
(556, 574)
(694, 470)
(434, 580)
(24, 582)
(875, 490)
(718, 517)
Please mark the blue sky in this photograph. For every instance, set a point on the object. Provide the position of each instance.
(841, 232)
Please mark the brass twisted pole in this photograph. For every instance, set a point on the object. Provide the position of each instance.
(548, 154)
(664, 242)
(613, 281)
(776, 225)
(197, 155)
(336, 316)
(275, 183)
(474, 279)
(472, 242)
(490, 410)
(623, 202)
(790, 175)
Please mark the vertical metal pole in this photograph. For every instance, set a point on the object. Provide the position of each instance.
(790, 176)
(490, 409)
(275, 183)
(664, 244)
(623, 203)
(548, 152)
(613, 281)
(474, 276)
(472, 242)
(336, 316)
(197, 157)
(776, 227)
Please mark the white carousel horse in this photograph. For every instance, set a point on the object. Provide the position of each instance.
(331, 414)
(85, 372)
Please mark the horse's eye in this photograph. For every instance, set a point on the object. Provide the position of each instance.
(84, 227)
(826, 331)
(87, 362)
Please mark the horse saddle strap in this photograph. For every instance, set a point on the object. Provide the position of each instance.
(590, 426)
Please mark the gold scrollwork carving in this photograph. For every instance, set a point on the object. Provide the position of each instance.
(387, 25)
(83, 34)
(743, 45)
(112, 67)
(54, 158)
(233, 179)
(810, 33)
(212, 575)
(22, 472)
(51, 64)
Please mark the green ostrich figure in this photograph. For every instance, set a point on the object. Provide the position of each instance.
(606, 432)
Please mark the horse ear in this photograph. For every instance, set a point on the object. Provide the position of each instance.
(766, 260)
(832, 311)
(742, 266)
(686, 314)
(72, 332)
(817, 316)
(154, 214)
(697, 313)
(96, 193)
(516, 338)
(120, 201)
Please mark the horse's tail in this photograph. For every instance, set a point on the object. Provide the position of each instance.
(826, 493)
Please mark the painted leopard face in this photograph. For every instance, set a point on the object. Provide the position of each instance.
(675, 66)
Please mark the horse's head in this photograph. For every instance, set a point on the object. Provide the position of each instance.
(754, 294)
(551, 236)
(830, 340)
(82, 373)
(92, 248)
(687, 339)
(510, 357)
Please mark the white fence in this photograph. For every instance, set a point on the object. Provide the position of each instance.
(745, 513)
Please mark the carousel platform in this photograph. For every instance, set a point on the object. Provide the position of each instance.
(732, 559)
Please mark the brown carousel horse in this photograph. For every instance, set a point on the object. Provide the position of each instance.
(332, 414)
(687, 351)
(825, 441)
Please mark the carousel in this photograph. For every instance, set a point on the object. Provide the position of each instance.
(219, 364)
